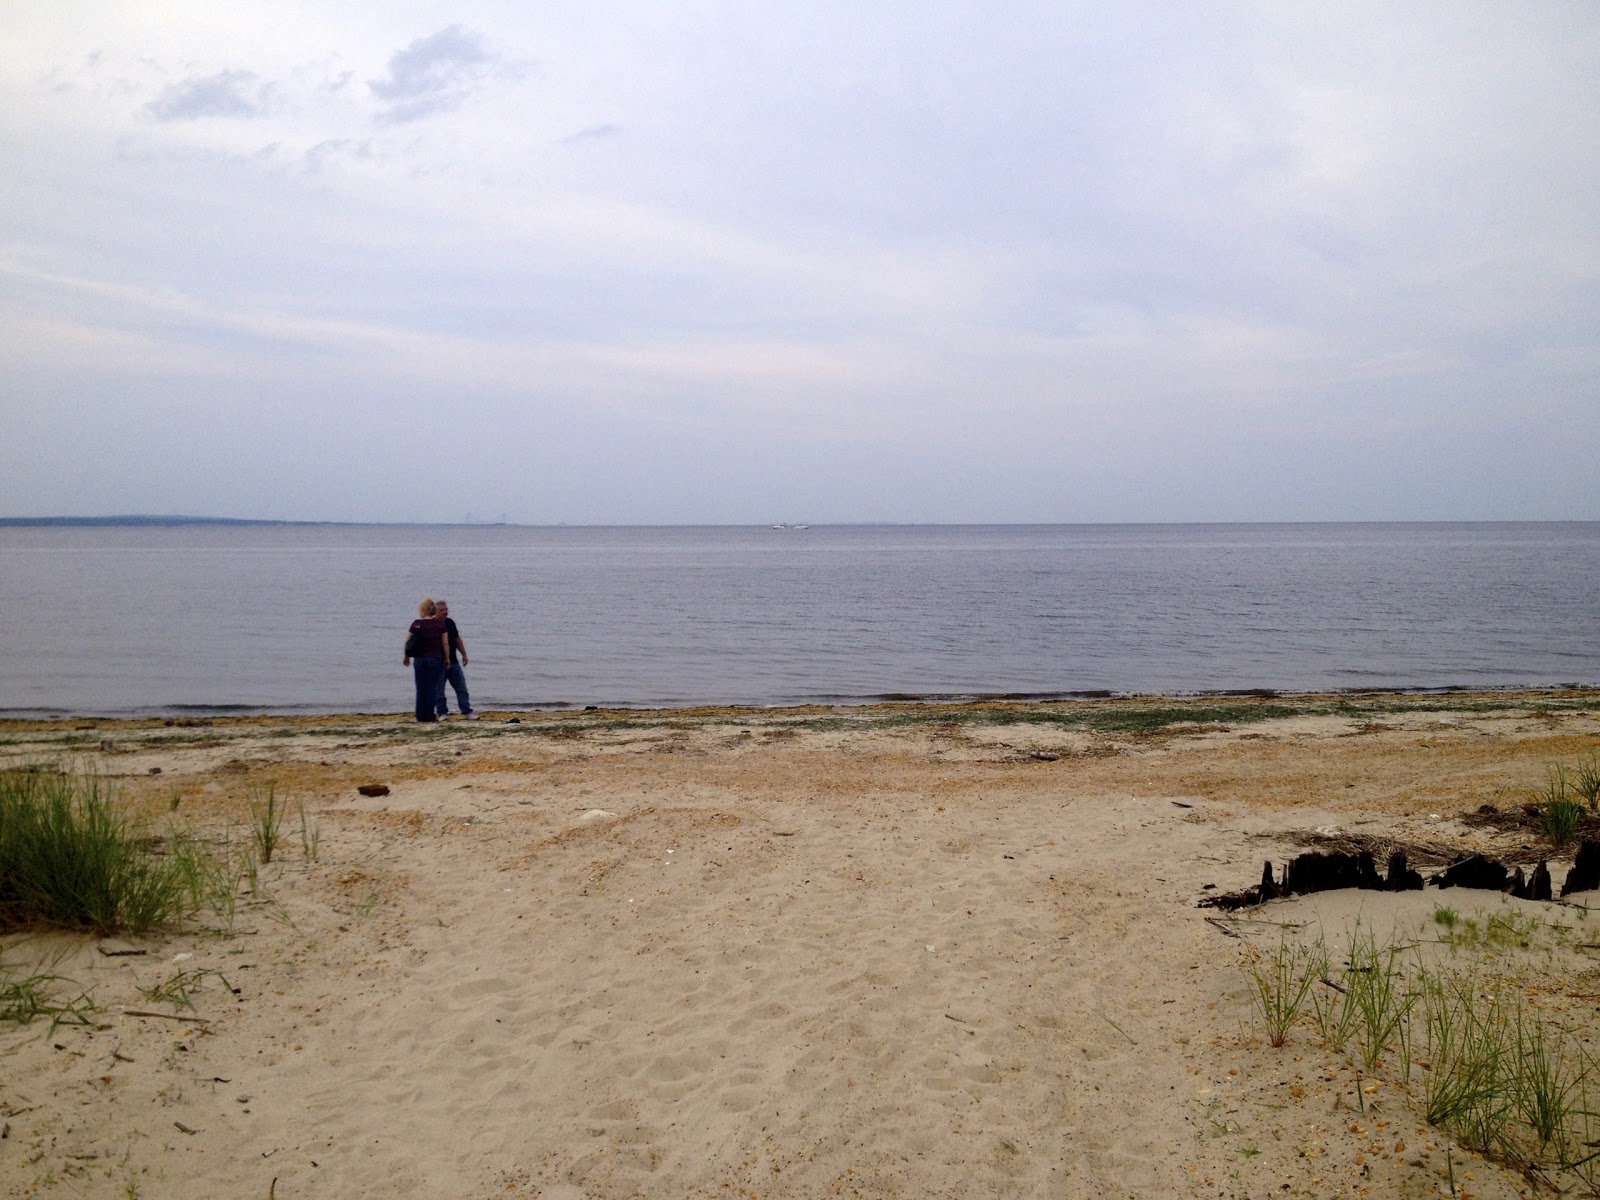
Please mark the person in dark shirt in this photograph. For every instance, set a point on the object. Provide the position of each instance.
(452, 670)
(426, 654)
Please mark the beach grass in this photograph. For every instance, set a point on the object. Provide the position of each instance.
(28, 994)
(1506, 1082)
(1377, 989)
(1281, 981)
(1586, 781)
(1472, 1087)
(69, 858)
(310, 834)
(177, 990)
(266, 822)
(1556, 812)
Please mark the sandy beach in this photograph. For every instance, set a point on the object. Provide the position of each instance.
(883, 952)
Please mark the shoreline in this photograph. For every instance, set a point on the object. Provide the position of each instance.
(893, 951)
(178, 714)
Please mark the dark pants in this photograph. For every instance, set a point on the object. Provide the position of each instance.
(458, 680)
(429, 674)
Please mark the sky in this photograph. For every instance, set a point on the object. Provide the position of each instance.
(707, 263)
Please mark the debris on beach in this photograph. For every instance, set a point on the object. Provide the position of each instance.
(1319, 871)
(1585, 873)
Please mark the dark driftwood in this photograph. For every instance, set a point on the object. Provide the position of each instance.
(1539, 885)
(1329, 871)
(1319, 872)
(1585, 873)
(1477, 872)
(1401, 877)
(1535, 887)
(1268, 889)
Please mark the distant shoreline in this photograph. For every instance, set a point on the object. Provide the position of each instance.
(146, 521)
(142, 522)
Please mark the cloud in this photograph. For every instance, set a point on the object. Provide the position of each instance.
(433, 74)
(335, 149)
(594, 133)
(1151, 255)
(237, 94)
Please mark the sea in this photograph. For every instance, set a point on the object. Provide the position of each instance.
(196, 619)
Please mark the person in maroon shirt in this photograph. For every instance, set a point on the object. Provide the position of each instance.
(426, 654)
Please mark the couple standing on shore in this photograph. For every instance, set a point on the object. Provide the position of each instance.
(436, 654)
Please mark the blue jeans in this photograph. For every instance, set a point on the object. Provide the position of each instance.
(457, 680)
(429, 675)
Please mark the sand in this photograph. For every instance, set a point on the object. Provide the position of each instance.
(894, 952)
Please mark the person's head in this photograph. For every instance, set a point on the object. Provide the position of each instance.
(441, 608)
(427, 608)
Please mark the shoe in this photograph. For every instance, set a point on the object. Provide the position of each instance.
(471, 716)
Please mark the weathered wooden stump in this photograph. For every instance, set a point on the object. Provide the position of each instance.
(1585, 873)
(1401, 877)
(1328, 872)
(1477, 872)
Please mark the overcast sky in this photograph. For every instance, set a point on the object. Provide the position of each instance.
(733, 262)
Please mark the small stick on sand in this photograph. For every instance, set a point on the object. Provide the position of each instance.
(139, 1012)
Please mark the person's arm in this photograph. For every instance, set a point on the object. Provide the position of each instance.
(461, 647)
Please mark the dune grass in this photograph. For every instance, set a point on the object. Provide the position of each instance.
(70, 859)
(266, 821)
(28, 994)
(1281, 982)
(1556, 812)
(1586, 781)
(1506, 1082)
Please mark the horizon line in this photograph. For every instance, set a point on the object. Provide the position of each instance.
(169, 520)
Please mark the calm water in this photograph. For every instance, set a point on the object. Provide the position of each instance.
(286, 619)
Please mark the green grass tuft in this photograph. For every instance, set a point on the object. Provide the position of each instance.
(310, 835)
(1471, 1087)
(1376, 988)
(25, 996)
(1586, 781)
(70, 859)
(1557, 814)
(178, 990)
(266, 822)
(1281, 982)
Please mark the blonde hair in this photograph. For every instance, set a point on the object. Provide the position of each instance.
(427, 608)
